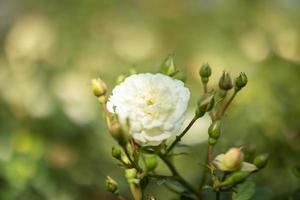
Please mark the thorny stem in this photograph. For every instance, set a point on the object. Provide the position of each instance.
(179, 178)
(178, 138)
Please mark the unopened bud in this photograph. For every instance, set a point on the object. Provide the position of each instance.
(180, 76)
(117, 131)
(225, 82)
(222, 93)
(240, 81)
(116, 152)
(230, 161)
(99, 87)
(151, 162)
(131, 175)
(214, 130)
(112, 185)
(261, 161)
(235, 178)
(205, 72)
(205, 104)
(168, 67)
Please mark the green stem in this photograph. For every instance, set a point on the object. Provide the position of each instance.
(134, 164)
(219, 115)
(178, 138)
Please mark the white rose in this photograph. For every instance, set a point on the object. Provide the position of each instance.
(155, 105)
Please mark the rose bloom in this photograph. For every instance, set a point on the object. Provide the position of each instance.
(154, 104)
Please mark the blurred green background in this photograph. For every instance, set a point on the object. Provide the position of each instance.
(53, 142)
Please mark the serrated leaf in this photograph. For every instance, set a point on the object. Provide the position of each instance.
(296, 171)
(244, 191)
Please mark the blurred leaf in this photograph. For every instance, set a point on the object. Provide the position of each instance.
(296, 171)
(244, 191)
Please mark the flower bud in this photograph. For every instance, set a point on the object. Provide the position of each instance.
(225, 82)
(180, 76)
(131, 175)
(261, 161)
(230, 161)
(205, 104)
(235, 178)
(117, 131)
(214, 130)
(112, 185)
(240, 81)
(168, 67)
(116, 152)
(151, 162)
(99, 87)
(205, 71)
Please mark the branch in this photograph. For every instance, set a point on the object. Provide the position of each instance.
(178, 138)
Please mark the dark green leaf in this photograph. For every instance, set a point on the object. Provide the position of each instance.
(296, 171)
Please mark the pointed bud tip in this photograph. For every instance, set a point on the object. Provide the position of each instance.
(241, 81)
(225, 82)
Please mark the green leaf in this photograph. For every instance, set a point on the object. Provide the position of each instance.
(244, 191)
(296, 171)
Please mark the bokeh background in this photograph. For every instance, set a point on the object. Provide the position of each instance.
(53, 142)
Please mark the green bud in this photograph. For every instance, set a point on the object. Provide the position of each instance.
(99, 87)
(240, 81)
(205, 104)
(112, 185)
(205, 72)
(116, 152)
(261, 161)
(168, 67)
(180, 76)
(235, 178)
(125, 160)
(117, 131)
(151, 162)
(225, 82)
(131, 175)
(214, 130)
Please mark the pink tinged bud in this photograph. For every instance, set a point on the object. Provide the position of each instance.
(230, 161)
